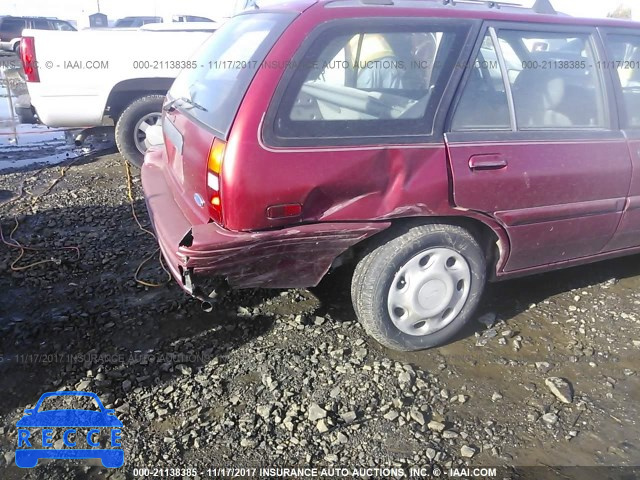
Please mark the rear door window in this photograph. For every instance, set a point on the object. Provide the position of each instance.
(484, 103)
(624, 52)
(355, 81)
(41, 24)
(555, 81)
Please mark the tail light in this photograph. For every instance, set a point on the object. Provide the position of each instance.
(28, 57)
(214, 168)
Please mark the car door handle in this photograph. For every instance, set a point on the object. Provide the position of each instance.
(487, 162)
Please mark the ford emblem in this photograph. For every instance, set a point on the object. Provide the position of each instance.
(199, 200)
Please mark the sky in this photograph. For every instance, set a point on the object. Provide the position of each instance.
(73, 9)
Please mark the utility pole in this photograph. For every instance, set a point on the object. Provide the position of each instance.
(98, 5)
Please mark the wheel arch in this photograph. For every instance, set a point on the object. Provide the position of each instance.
(489, 234)
(127, 91)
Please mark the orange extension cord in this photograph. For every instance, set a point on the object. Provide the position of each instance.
(127, 169)
(13, 243)
(23, 248)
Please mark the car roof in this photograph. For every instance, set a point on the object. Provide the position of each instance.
(181, 27)
(472, 9)
(22, 17)
(136, 17)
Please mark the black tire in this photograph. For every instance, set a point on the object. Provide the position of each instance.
(374, 274)
(126, 125)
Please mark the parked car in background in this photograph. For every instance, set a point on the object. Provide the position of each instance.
(136, 22)
(95, 78)
(190, 18)
(430, 145)
(11, 29)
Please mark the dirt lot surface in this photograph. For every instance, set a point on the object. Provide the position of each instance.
(287, 377)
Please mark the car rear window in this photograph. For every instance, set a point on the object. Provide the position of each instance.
(225, 65)
(13, 25)
(360, 80)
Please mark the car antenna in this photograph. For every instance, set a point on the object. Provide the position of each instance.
(544, 7)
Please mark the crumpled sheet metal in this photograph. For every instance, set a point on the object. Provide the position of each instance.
(289, 258)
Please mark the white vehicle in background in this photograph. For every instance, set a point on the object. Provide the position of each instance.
(107, 77)
(135, 22)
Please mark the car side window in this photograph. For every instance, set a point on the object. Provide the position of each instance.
(40, 24)
(556, 83)
(64, 26)
(483, 104)
(14, 25)
(624, 51)
(358, 82)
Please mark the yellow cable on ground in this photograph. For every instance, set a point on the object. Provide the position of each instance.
(13, 243)
(127, 169)
(23, 248)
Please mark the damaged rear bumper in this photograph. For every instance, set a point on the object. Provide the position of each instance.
(293, 257)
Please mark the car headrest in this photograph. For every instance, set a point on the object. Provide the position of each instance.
(543, 85)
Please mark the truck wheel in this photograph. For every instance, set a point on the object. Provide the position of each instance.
(139, 127)
(417, 290)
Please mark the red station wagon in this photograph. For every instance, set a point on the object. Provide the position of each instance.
(433, 144)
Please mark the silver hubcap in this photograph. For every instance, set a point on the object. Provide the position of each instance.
(429, 291)
(148, 131)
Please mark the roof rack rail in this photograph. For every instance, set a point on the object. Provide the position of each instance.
(541, 6)
(377, 2)
(488, 3)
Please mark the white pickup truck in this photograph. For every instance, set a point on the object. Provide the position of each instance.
(104, 77)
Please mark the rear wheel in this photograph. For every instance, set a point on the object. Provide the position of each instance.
(139, 127)
(418, 289)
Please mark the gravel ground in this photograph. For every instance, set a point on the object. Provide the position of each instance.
(548, 375)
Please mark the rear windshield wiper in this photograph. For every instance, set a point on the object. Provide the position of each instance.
(169, 107)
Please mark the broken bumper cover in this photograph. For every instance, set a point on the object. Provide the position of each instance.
(286, 258)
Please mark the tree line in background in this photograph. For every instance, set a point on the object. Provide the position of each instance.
(622, 11)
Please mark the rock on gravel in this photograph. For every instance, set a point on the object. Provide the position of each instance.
(436, 426)
(488, 319)
(322, 426)
(431, 453)
(264, 411)
(417, 415)
(561, 388)
(467, 451)
(391, 415)
(316, 412)
(550, 418)
(544, 367)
